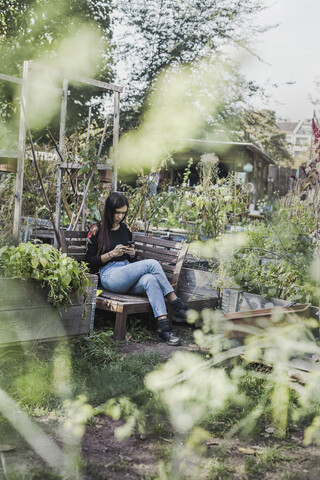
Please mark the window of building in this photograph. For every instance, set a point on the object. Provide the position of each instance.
(302, 141)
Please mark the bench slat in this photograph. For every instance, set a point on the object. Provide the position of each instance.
(79, 257)
(120, 297)
(156, 241)
(76, 249)
(164, 262)
(74, 234)
(76, 241)
(163, 252)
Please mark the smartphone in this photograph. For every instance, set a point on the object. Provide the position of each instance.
(130, 242)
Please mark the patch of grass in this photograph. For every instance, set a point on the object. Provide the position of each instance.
(271, 456)
(122, 377)
(265, 461)
(138, 330)
(165, 453)
(290, 476)
(253, 467)
(119, 464)
(96, 349)
(159, 427)
(26, 375)
(256, 389)
(97, 370)
(94, 470)
(218, 470)
(33, 387)
(35, 473)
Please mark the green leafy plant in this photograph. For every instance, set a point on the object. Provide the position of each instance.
(60, 274)
(276, 259)
(204, 210)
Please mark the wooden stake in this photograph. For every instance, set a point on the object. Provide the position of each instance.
(63, 118)
(20, 162)
(116, 128)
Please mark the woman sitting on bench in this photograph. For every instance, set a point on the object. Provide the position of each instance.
(110, 250)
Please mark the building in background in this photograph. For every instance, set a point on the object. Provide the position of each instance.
(250, 164)
(300, 138)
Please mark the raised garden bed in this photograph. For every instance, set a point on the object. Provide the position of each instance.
(262, 318)
(25, 314)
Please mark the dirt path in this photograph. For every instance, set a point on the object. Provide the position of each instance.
(105, 458)
(108, 458)
(136, 458)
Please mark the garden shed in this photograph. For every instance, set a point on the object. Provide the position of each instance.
(250, 163)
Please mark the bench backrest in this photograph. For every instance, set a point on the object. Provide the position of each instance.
(170, 254)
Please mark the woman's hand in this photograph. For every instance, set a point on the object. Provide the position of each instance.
(118, 250)
(130, 250)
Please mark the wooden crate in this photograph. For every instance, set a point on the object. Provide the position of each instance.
(10, 167)
(195, 288)
(258, 318)
(25, 314)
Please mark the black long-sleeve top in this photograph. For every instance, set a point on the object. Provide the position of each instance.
(120, 236)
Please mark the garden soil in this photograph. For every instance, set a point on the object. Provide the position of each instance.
(137, 458)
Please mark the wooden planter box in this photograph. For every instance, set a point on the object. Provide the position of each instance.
(25, 314)
(259, 318)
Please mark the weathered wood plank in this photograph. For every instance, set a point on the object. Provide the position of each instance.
(165, 251)
(143, 239)
(20, 160)
(241, 323)
(76, 249)
(26, 315)
(20, 294)
(63, 119)
(166, 267)
(124, 298)
(197, 283)
(42, 324)
(8, 154)
(79, 257)
(96, 83)
(77, 242)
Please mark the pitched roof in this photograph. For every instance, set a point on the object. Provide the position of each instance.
(248, 146)
(288, 127)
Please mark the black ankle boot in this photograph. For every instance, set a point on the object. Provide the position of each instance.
(166, 334)
(179, 310)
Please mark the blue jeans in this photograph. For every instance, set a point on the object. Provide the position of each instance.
(139, 278)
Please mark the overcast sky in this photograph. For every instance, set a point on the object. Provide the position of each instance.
(292, 53)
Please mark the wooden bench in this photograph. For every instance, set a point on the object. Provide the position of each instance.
(170, 255)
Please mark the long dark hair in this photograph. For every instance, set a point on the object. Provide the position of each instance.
(114, 201)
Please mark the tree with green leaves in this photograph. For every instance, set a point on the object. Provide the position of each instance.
(155, 35)
(260, 128)
(35, 30)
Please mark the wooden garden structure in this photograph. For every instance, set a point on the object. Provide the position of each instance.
(25, 82)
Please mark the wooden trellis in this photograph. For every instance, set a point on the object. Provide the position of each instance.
(20, 153)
